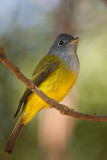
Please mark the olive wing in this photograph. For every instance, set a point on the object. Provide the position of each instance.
(43, 69)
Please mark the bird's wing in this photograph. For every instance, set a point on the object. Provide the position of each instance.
(43, 69)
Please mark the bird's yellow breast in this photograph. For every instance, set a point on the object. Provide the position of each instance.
(56, 86)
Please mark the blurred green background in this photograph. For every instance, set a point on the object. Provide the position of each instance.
(27, 30)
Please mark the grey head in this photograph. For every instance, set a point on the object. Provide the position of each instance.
(65, 46)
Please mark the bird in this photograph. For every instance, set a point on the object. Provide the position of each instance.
(55, 75)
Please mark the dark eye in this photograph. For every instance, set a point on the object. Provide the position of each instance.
(60, 43)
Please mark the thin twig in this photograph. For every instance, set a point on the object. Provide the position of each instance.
(51, 102)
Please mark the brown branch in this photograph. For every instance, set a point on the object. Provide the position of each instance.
(62, 108)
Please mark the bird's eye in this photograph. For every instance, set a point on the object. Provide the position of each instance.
(61, 43)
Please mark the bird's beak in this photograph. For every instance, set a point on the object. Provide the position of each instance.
(74, 41)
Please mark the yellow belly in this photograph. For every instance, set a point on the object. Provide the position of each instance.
(56, 86)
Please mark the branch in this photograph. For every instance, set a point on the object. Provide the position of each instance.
(51, 102)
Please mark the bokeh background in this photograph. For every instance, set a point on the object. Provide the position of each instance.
(27, 30)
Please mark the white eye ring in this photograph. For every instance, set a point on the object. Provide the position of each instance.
(61, 43)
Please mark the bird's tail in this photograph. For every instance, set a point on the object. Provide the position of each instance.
(14, 136)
